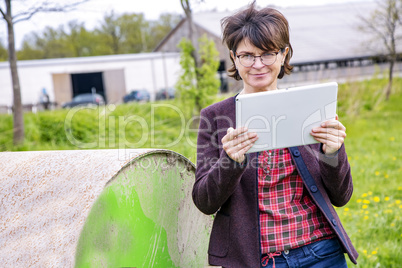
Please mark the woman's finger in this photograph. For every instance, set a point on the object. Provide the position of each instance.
(323, 132)
(326, 147)
(330, 146)
(236, 149)
(233, 133)
(237, 145)
(333, 124)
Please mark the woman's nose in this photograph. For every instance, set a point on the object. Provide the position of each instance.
(258, 63)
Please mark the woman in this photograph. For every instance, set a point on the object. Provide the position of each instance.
(273, 208)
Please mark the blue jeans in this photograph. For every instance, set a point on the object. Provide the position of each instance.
(322, 254)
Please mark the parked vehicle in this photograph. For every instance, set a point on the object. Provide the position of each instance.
(165, 94)
(86, 99)
(137, 95)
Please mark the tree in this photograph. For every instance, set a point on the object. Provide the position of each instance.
(132, 33)
(127, 33)
(110, 32)
(75, 41)
(11, 19)
(51, 43)
(80, 41)
(196, 59)
(186, 5)
(135, 31)
(384, 24)
(197, 86)
(30, 49)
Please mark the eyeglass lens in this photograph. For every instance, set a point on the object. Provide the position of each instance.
(248, 60)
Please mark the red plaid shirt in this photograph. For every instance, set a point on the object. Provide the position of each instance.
(288, 217)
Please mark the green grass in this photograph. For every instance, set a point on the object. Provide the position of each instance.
(374, 144)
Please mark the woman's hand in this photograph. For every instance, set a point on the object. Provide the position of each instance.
(331, 134)
(236, 145)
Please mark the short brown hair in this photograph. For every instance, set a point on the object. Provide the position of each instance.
(267, 29)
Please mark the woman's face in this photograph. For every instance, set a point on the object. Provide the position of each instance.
(258, 77)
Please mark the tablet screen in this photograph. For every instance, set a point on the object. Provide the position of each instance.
(284, 118)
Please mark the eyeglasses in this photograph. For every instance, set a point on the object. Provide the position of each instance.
(248, 60)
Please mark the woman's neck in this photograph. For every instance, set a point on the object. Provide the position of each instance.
(244, 91)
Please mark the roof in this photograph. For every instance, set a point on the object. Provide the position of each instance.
(92, 59)
(317, 33)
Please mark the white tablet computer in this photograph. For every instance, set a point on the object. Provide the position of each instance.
(284, 118)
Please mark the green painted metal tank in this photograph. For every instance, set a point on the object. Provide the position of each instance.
(100, 208)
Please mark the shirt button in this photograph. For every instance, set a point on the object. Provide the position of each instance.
(313, 188)
(334, 222)
(296, 153)
(286, 252)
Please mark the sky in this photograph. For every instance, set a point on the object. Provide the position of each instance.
(93, 11)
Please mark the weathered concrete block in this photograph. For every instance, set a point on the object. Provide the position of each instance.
(100, 208)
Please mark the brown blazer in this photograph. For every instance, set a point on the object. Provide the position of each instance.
(230, 190)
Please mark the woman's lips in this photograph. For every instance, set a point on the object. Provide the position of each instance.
(259, 75)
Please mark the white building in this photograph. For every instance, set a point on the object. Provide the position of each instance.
(112, 76)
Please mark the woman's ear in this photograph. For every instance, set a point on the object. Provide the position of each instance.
(232, 55)
(285, 53)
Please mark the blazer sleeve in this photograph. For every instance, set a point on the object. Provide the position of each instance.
(336, 176)
(217, 175)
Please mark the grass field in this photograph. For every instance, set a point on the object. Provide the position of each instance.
(373, 217)
(374, 144)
